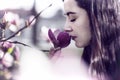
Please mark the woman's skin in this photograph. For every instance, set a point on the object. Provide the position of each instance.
(77, 23)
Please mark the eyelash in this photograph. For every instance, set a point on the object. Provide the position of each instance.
(72, 20)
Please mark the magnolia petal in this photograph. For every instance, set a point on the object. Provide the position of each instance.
(13, 28)
(64, 39)
(7, 60)
(16, 53)
(56, 33)
(52, 38)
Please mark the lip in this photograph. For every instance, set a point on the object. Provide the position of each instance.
(73, 37)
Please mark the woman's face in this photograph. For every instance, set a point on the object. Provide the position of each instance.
(77, 23)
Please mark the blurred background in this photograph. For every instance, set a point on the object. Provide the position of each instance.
(19, 11)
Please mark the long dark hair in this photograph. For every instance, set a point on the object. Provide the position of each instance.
(103, 53)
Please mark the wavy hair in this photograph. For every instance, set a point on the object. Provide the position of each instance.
(103, 53)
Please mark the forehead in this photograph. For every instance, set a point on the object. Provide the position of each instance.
(71, 5)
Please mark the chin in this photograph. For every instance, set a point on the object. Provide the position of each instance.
(80, 45)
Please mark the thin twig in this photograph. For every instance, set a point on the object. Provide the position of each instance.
(17, 42)
(45, 50)
(25, 25)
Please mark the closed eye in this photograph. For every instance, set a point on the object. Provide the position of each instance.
(72, 20)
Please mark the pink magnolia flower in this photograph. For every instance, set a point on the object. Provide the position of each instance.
(60, 39)
(9, 53)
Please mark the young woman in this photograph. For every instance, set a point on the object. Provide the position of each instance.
(94, 25)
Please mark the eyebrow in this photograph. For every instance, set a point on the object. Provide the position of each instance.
(68, 13)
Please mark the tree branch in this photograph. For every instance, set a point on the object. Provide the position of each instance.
(17, 42)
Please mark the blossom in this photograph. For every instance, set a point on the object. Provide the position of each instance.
(9, 53)
(59, 38)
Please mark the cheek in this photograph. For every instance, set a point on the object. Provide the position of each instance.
(82, 41)
(84, 36)
(83, 26)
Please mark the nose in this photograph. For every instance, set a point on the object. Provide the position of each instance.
(68, 27)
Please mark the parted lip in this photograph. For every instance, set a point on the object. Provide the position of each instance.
(73, 37)
(61, 40)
